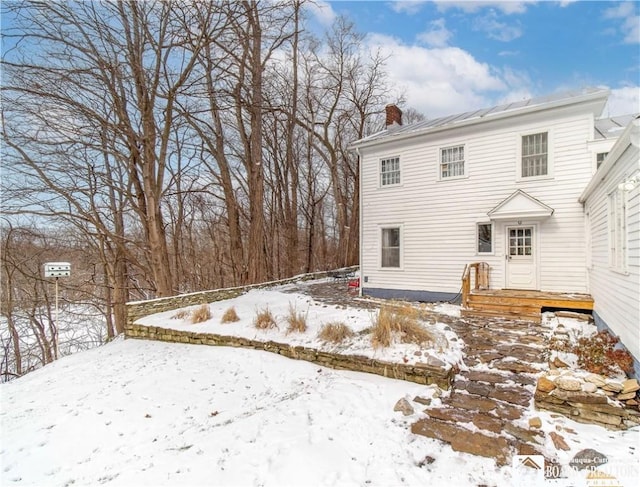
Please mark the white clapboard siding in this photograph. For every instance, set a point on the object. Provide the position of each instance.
(617, 294)
(438, 218)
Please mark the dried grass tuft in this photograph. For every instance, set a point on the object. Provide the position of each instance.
(200, 314)
(336, 332)
(180, 315)
(402, 321)
(383, 328)
(264, 320)
(230, 316)
(297, 321)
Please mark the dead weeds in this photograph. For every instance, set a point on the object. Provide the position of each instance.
(335, 332)
(264, 320)
(296, 320)
(201, 314)
(402, 320)
(230, 316)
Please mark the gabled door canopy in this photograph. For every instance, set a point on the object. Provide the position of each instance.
(520, 206)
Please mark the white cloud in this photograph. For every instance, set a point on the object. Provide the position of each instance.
(505, 6)
(627, 13)
(623, 101)
(407, 6)
(442, 81)
(322, 11)
(495, 29)
(437, 36)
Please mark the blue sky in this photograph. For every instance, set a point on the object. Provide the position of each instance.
(452, 56)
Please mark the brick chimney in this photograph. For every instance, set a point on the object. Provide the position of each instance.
(394, 115)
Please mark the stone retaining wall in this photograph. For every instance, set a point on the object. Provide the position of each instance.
(440, 374)
(590, 399)
(138, 309)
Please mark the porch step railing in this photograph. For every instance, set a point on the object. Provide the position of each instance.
(476, 274)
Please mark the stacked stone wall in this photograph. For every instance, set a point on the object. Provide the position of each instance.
(591, 399)
(139, 309)
(421, 373)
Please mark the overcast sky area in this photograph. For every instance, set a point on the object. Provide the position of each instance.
(455, 56)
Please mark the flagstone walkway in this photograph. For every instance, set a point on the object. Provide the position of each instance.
(482, 413)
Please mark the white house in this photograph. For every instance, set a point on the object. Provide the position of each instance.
(500, 185)
(612, 213)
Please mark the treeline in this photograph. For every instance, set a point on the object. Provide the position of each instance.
(167, 147)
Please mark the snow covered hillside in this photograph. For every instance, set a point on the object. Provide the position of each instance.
(148, 413)
(136, 412)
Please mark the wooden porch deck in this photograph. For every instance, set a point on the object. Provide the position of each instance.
(478, 301)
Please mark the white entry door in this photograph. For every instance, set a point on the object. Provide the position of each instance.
(521, 258)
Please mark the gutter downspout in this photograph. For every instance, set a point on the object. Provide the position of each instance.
(360, 230)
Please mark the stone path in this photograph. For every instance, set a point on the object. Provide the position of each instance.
(480, 414)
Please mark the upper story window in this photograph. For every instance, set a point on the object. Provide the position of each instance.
(600, 157)
(390, 171)
(535, 154)
(452, 162)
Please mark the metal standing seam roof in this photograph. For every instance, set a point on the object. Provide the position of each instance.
(606, 128)
(452, 120)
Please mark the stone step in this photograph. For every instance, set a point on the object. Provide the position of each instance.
(463, 440)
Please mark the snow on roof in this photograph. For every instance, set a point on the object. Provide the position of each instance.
(485, 113)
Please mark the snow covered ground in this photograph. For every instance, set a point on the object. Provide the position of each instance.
(280, 300)
(148, 413)
(136, 413)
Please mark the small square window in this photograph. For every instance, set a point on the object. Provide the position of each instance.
(390, 171)
(485, 238)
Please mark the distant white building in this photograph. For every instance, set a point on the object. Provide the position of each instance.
(501, 185)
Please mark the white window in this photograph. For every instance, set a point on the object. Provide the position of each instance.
(618, 230)
(535, 155)
(600, 157)
(390, 171)
(452, 162)
(484, 236)
(390, 247)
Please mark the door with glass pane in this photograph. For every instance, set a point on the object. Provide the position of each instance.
(521, 258)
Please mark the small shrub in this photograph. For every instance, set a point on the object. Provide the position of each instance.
(180, 315)
(597, 354)
(200, 314)
(335, 332)
(230, 316)
(297, 321)
(264, 320)
(401, 320)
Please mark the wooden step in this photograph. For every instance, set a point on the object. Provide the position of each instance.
(529, 315)
(541, 300)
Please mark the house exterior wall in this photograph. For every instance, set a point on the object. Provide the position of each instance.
(616, 292)
(437, 218)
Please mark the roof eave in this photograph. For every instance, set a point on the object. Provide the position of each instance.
(575, 100)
